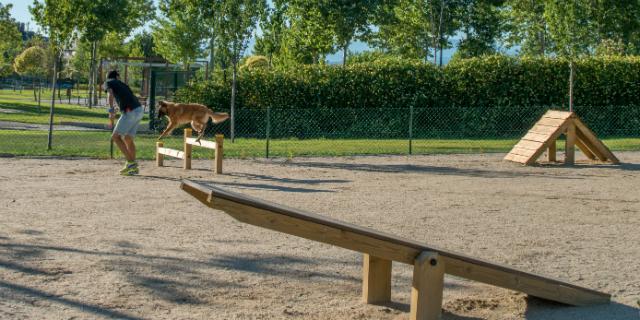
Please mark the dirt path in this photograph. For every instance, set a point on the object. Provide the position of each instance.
(77, 241)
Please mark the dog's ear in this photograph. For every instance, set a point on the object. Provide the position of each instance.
(162, 103)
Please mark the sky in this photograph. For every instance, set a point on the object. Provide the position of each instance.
(20, 12)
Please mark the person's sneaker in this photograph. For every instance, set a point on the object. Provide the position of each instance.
(128, 167)
(130, 172)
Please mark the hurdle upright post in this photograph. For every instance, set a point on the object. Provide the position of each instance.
(159, 156)
(570, 149)
(219, 153)
(187, 150)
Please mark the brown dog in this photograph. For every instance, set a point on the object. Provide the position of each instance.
(181, 113)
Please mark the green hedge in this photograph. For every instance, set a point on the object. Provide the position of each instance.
(481, 97)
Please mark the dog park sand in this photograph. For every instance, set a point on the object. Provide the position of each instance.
(77, 241)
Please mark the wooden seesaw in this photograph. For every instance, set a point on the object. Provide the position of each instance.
(430, 263)
(185, 154)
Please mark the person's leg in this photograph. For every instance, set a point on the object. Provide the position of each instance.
(131, 147)
(117, 138)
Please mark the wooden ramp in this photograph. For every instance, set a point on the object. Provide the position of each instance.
(542, 137)
(430, 263)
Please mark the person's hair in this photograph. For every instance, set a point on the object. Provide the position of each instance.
(113, 74)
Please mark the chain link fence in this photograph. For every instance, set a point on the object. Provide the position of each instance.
(284, 132)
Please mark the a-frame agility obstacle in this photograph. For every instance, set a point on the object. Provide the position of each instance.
(542, 137)
(379, 249)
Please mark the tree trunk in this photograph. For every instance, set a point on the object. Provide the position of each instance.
(35, 91)
(53, 102)
(345, 48)
(91, 71)
(233, 102)
(571, 72)
(95, 73)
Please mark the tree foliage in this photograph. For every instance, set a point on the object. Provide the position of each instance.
(31, 62)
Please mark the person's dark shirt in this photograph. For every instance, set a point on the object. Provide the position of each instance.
(127, 101)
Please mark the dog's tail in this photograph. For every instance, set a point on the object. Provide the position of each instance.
(218, 117)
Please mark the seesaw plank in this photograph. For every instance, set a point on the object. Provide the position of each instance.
(322, 229)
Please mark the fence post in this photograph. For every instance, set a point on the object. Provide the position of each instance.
(152, 101)
(411, 129)
(187, 150)
(268, 130)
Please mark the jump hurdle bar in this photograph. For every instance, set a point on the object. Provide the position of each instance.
(186, 153)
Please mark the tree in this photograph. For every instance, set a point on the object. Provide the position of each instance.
(10, 39)
(57, 18)
(481, 25)
(418, 29)
(238, 19)
(572, 31)
(349, 20)
(32, 62)
(179, 33)
(309, 37)
(101, 17)
(526, 27)
(616, 21)
(273, 26)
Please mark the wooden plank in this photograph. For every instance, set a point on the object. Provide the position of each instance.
(585, 149)
(528, 144)
(203, 143)
(557, 114)
(537, 137)
(427, 287)
(517, 158)
(376, 280)
(569, 146)
(551, 122)
(523, 152)
(552, 152)
(159, 156)
(315, 227)
(543, 129)
(171, 152)
(186, 163)
(591, 140)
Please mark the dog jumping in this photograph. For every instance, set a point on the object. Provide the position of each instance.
(196, 114)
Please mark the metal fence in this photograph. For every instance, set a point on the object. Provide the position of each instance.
(284, 132)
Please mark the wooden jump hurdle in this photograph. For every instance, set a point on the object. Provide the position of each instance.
(185, 154)
(379, 249)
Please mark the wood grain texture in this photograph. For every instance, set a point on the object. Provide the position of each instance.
(385, 246)
(376, 279)
(427, 287)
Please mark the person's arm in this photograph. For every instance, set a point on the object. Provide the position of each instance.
(110, 98)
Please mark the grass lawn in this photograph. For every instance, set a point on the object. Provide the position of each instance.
(97, 144)
(27, 110)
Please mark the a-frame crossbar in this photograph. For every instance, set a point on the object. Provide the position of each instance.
(430, 263)
(542, 137)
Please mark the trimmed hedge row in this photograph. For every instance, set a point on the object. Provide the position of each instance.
(489, 96)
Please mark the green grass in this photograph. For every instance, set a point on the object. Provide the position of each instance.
(30, 113)
(96, 145)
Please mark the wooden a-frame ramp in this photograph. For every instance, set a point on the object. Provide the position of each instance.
(542, 137)
(430, 263)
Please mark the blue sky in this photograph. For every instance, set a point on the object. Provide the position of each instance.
(20, 12)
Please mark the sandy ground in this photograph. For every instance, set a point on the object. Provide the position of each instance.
(77, 241)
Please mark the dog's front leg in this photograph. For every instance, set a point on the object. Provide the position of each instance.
(168, 130)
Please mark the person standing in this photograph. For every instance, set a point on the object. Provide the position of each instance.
(126, 127)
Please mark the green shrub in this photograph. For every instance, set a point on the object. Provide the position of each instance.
(479, 97)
